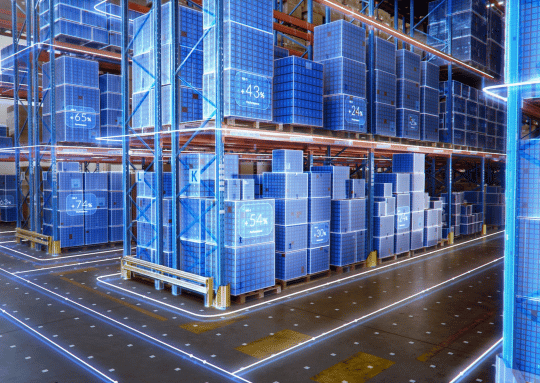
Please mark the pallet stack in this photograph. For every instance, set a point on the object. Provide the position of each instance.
(248, 64)
(495, 203)
(319, 216)
(344, 74)
(116, 207)
(429, 102)
(384, 220)
(110, 101)
(288, 185)
(408, 94)
(8, 196)
(96, 216)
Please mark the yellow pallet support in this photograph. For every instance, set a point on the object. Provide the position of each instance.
(53, 247)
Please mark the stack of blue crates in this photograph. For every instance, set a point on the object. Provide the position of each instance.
(71, 206)
(319, 215)
(458, 198)
(76, 110)
(341, 47)
(384, 219)
(111, 109)
(280, 52)
(75, 22)
(529, 53)
(495, 42)
(429, 102)
(288, 185)
(408, 94)
(8, 198)
(495, 203)
(412, 164)
(5, 140)
(298, 91)
(470, 221)
(7, 65)
(432, 228)
(114, 25)
(469, 30)
(96, 217)
(190, 73)
(248, 53)
(385, 88)
(116, 207)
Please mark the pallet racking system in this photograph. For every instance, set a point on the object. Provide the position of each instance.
(162, 146)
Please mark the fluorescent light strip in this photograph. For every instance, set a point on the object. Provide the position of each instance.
(68, 265)
(489, 89)
(58, 346)
(355, 321)
(58, 258)
(301, 292)
(131, 329)
(470, 366)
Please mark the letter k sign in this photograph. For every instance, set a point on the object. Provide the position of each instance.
(194, 177)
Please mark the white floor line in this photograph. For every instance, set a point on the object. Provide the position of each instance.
(282, 297)
(59, 257)
(134, 330)
(366, 316)
(68, 265)
(58, 346)
(475, 362)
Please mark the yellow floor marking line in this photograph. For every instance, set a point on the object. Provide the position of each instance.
(357, 369)
(143, 311)
(67, 272)
(201, 327)
(273, 344)
(451, 339)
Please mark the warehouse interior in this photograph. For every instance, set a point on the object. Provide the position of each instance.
(321, 190)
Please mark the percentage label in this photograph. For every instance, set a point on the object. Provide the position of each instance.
(81, 117)
(81, 204)
(320, 233)
(403, 217)
(255, 220)
(356, 111)
(252, 91)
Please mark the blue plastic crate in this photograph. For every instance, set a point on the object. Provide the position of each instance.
(471, 108)
(291, 238)
(385, 55)
(361, 245)
(342, 248)
(429, 75)
(96, 181)
(358, 214)
(402, 220)
(280, 52)
(319, 184)
(341, 216)
(417, 201)
(431, 236)
(385, 120)
(96, 235)
(339, 39)
(10, 182)
(67, 131)
(146, 184)
(318, 234)
(383, 226)
(8, 214)
(408, 163)
(471, 139)
(197, 174)
(71, 236)
(384, 246)
(344, 112)
(250, 268)
(379, 209)
(469, 23)
(385, 87)
(356, 188)
(495, 25)
(72, 71)
(402, 200)
(429, 127)
(408, 95)
(249, 222)
(194, 225)
(115, 217)
(344, 76)
(402, 242)
(429, 100)
(408, 124)
(66, 181)
(291, 211)
(339, 174)
(247, 191)
(232, 189)
(417, 220)
(111, 117)
(418, 182)
(285, 185)
(401, 182)
(193, 256)
(319, 209)
(291, 265)
(287, 161)
(318, 259)
(96, 218)
(75, 33)
(115, 181)
(469, 48)
(78, 99)
(64, 218)
(408, 65)
(246, 95)
(383, 189)
(417, 239)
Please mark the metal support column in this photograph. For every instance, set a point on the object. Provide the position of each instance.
(310, 20)
(19, 197)
(52, 103)
(433, 181)
(371, 72)
(449, 95)
(126, 179)
(396, 20)
(411, 22)
(158, 157)
(174, 62)
(36, 120)
(30, 113)
(328, 15)
(449, 192)
(370, 182)
(483, 188)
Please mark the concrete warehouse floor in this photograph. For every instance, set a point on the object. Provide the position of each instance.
(421, 319)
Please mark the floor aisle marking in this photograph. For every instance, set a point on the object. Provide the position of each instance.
(202, 327)
(272, 344)
(58, 346)
(366, 316)
(59, 257)
(68, 272)
(299, 292)
(447, 342)
(356, 369)
(133, 330)
(66, 265)
(142, 311)
(475, 362)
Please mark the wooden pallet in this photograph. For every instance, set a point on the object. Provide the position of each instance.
(302, 280)
(348, 268)
(96, 246)
(257, 294)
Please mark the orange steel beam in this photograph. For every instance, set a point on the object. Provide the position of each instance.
(293, 32)
(531, 109)
(293, 20)
(371, 21)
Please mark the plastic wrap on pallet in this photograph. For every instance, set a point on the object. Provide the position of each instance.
(287, 161)
(339, 39)
(385, 120)
(285, 185)
(356, 188)
(385, 55)
(247, 190)
(383, 226)
(408, 95)
(339, 175)
(431, 235)
(318, 234)
(319, 209)
(384, 246)
(390, 204)
(417, 220)
(319, 184)
(408, 65)
(345, 112)
(291, 211)
(418, 181)
(417, 239)
(344, 76)
(417, 201)
(429, 100)
(291, 238)
(385, 88)
(429, 75)
(379, 209)
(318, 259)
(291, 264)
(401, 182)
(402, 242)
(342, 248)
